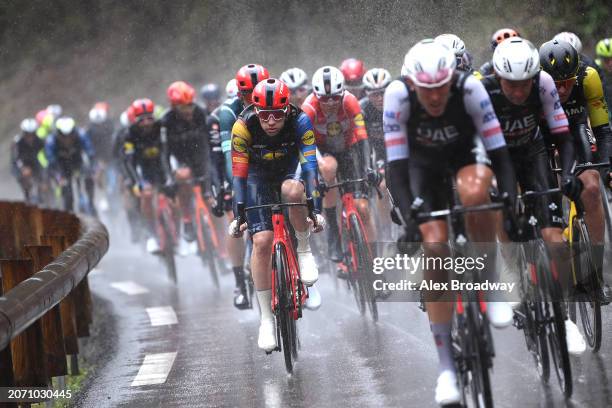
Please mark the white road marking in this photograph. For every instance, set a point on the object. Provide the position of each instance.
(154, 369)
(129, 288)
(162, 316)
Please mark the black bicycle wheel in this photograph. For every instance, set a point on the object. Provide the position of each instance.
(284, 318)
(168, 250)
(364, 264)
(607, 207)
(481, 359)
(208, 256)
(587, 295)
(553, 318)
(350, 259)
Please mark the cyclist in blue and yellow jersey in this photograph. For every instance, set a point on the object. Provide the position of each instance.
(220, 125)
(269, 139)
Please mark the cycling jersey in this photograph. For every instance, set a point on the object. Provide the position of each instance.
(260, 161)
(65, 153)
(520, 125)
(24, 154)
(100, 135)
(422, 150)
(374, 127)
(144, 151)
(587, 101)
(187, 142)
(226, 115)
(339, 131)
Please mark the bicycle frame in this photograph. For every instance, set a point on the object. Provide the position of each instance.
(348, 209)
(281, 237)
(164, 209)
(201, 209)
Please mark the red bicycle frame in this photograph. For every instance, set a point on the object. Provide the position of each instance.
(348, 209)
(164, 209)
(202, 209)
(281, 237)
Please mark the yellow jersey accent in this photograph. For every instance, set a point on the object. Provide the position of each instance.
(308, 138)
(593, 93)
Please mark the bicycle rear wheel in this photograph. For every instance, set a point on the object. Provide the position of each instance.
(364, 264)
(587, 295)
(285, 307)
(207, 256)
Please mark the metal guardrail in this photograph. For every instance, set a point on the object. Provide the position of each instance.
(45, 256)
(32, 298)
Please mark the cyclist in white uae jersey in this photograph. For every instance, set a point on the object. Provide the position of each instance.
(431, 118)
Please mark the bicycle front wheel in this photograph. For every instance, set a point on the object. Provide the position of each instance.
(364, 265)
(481, 363)
(207, 255)
(284, 312)
(168, 247)
(587, 293)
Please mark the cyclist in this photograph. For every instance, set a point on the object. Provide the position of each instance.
(431, 115)
(69, 152)
(342, 141)
(497, 37)
(521, 93)
(221, 122)
(375, 81)
(353, 70)
(581, 95)
(211, 97)
(142, 149)
(603, 51)
(464, 59)
(185, 134)
(24, 158)
(100, 131)
(297, 81)
(269, 139)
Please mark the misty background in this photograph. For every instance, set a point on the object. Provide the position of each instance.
(76, 52)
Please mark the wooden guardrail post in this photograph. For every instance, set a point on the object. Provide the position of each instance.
(29, 364)
(51, 323)
(67, 307)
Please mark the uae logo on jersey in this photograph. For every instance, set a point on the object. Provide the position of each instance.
(438, 135)
(334, 129)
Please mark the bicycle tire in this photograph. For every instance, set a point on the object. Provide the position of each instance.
(480, 364)
(589, 304)
(531, 316)
(352, 278)
(554, 318)
(284, 318)
(607, 209)
(365, 264)
(207, 256)
(168, 250)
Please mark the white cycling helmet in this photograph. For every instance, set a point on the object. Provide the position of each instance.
(376, 78)
(328, 81)
(231, 89)
(294, 78)
(29, 125)
(570, 38)
(55, 110)
(453, 42)
(516, 59)
(124, 119)
(97, 115)
(429, 64)
(65, 125)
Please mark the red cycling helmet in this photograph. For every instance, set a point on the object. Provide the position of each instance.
(139, 108)
(352, 69)
(249, 76)
(180, 93)
(271, 94)
(501, 34)
(40, 116)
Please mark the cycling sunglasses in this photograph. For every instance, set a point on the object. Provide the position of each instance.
(566, 83)
(266, 114)
(330, 98)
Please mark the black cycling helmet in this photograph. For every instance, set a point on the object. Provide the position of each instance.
(210, 92)
(559, 59)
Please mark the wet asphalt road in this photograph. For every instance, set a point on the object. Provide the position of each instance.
(345, 359)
